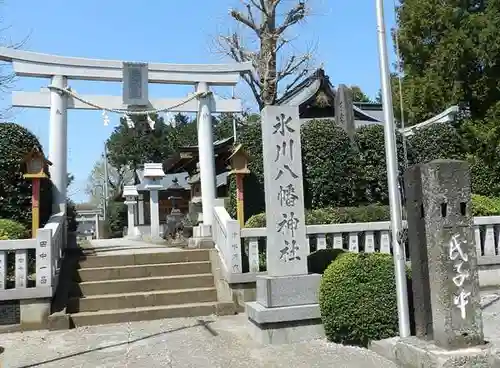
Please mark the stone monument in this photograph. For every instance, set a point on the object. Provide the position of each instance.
(448, 319)
(344, 110)
(286, 309)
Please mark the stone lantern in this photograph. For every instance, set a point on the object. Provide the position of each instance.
(130, 194)
(195, 208)
(153, 175)
(174, 219)
(34, 166)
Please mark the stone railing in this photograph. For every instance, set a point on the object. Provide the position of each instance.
(29, 268)
(226, 236)
(355, 237)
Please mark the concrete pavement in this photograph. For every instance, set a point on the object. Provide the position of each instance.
(207, 342)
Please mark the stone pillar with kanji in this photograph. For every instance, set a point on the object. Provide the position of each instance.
(286, 309)
(445, 280)
(443, 254)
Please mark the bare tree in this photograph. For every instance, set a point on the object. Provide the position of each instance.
(268, 22)
(117, 179)
(7, 76)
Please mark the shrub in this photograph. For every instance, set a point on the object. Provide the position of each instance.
(258, 220)
(15, 191)
(317, 262)
(437, 141)
(331, 165)
(320, 216)
(483, 178)
(370, 213)
(485, 206)
(357, 299)
(71, 215)
(10, 229)
(116, 218)
(373, 180)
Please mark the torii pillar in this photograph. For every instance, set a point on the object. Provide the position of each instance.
(207, 160)
(58, 144)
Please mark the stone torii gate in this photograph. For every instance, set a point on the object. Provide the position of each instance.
(58, 97)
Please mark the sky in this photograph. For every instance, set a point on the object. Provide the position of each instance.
(343, 33)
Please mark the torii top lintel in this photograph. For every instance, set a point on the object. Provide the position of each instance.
(32, 64)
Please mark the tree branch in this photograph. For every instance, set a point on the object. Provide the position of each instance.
(261, 5)
(293, 65)
(245, 20)
(293, 16)
(274, 5)
(297, 79)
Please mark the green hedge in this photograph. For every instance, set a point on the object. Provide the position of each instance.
(338, 173)
(485, 206)
(341, 215)
(357, 299)
(10, 229)
(331, 165)
(484, 178)
(437, 141)
(15, 191)
(373, 179)
(481, 206)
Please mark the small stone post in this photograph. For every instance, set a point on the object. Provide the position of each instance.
(448, 318)
(130, 193)
(443, 254)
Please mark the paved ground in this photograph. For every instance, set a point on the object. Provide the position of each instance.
(491, 315)
(209, 342)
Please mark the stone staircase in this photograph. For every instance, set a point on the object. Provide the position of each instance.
(144, 286)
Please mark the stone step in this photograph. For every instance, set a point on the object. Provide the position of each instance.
(142, 299)
(151, 313)
(142, 284)
(95, 261)
(136, 271)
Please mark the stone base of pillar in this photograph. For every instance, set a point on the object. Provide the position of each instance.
(414, 352)
(286, 310)
(284, 325)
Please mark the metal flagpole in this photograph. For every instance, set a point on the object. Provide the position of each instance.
(392, 177)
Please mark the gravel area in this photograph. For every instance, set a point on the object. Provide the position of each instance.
(207, 342)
